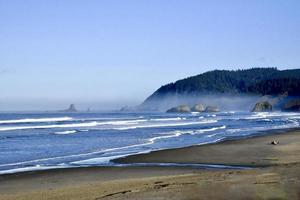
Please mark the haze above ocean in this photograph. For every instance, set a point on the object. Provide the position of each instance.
(35, 141)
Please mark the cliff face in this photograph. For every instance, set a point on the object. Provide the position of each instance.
(223, 86)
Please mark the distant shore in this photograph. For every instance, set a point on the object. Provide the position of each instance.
(275, 174)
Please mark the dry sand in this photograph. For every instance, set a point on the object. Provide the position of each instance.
(276, 175)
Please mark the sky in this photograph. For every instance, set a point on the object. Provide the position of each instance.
(105, 54)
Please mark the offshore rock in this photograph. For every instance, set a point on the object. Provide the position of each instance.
(180, 109)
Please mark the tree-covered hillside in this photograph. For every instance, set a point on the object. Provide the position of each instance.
(259, 81)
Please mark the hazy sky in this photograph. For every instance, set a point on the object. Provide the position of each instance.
(107, 53)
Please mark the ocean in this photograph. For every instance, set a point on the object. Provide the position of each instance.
(37, 141)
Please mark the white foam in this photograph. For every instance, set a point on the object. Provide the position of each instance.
(169, 119)
(122, 122)
(99, 160)
(28, 120)
(211, 115)
(74, 125)
(167, 125)
(77, 155)
(66, 132)
(175, 134)
(261, 115)
(208, 130)
(32, 168)
(87, 124)
(291, 124)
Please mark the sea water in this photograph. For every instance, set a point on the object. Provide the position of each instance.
(35, 141)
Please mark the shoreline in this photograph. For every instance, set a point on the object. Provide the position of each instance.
(269, 133)
(117, 162)
(234, 146)
(275, 174)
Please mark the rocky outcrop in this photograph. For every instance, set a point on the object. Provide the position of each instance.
(70, 109)
(212, 109)
(292, 105)
(198, 108)
(263, 106)
(126, 109)
(180, 109)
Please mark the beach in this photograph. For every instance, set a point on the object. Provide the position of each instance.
(274, 174)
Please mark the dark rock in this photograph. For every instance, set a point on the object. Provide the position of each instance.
(179, 109)
(277, 101)
(129, 109)
(125, 108)
(212, 109)
(263, 106)
(292, 105)
(198, 108)
(71, 108)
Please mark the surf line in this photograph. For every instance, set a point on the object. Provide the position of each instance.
(190, 165)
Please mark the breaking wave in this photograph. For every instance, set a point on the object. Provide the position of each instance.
(28, 120)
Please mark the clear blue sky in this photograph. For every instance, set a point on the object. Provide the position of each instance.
(107, 53)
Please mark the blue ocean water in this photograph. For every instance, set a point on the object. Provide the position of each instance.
(34, 141)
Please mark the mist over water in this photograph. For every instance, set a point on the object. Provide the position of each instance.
(225, 102)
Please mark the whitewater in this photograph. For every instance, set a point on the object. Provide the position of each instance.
(37, 141)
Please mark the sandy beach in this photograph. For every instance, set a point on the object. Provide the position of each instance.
(275, 174)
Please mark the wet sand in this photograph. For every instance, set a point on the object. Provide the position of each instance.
(276, 175)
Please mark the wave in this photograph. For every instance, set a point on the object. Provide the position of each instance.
(98, 161)
(272, 114)
(169, 119)
(175, 134)
(211, 115)
(13, 128)
(65, 132)
(122, 122)
(33, 168)
(28, 120)
(147, 142)
(291, 124)
(195, 113)
(73, 125)
(166, 125)
(208, 130)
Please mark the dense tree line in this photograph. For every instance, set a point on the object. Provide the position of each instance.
(253, 81)
(291, 86)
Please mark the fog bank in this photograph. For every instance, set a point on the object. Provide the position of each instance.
(223, 101)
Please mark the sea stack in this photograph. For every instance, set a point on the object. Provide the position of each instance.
(292, 105)
(198, 108)
(263, 106)
(212, 109)
(71, 109)
(180, 109)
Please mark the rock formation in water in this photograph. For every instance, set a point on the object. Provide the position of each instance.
(195, 108)
(263, 106)
(180, 109)
(198, 108)
(212, 109)
(70, 109)
(292, 105)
